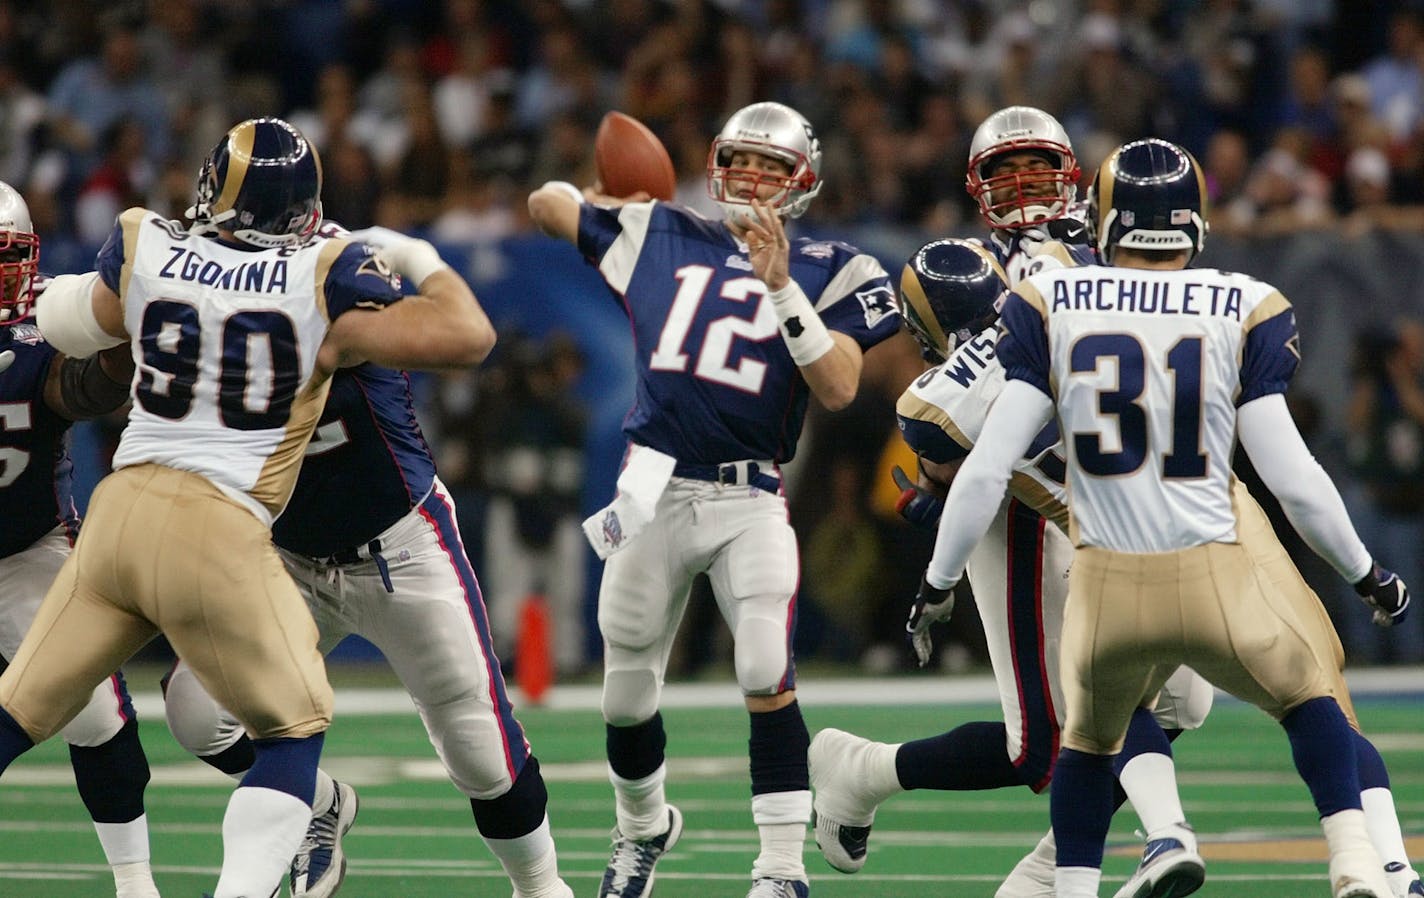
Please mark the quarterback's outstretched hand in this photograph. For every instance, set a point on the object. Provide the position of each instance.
(918, 506)
(1383, 591)
(932, 605)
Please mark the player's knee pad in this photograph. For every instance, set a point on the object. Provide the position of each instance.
(97, 722)
(761, 655)
(197, 722)
(630, 696)
(1185, 701)
(472, 746)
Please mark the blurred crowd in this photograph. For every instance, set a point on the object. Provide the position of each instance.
(439, 117)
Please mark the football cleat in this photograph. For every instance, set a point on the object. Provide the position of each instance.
(1416, 888)
(320, 864)
(845, 795)
(1032, 877)
(630, 869)
(1170, 869)
(768, 887)
(1356, 874)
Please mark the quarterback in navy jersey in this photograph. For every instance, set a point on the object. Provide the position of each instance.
(735, 326)
(386, 562)
(42, 392)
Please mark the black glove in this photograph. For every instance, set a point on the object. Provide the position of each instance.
(918, 506)
(1383, 591)
(931, 606)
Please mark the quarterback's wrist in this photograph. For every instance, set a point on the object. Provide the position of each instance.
(802, 330)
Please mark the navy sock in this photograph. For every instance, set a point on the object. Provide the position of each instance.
(111, 777)
(287, 765)
(1373, 773)
(517, 812)
(1080, 804)
(14, 741)
(969, 757)
(1323, 747)
(636, 751)
(777, 749)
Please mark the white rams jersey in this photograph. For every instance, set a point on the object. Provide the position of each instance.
(942, 414)
(225, 337)
(1147, 368)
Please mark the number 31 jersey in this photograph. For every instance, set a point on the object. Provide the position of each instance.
(225, 338)
(716, 382)
(1147, 368)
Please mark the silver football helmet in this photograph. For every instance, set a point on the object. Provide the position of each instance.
(771, 129)
(19, 256)
(1023, 198)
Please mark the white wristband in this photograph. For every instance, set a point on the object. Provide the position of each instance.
(65, 316)
(416, 259)
(802, 329)
(566, 187)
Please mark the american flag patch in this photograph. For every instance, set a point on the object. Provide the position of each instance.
(1181, 216)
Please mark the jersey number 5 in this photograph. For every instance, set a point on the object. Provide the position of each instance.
(717, 342)
(1184, 362)
(258, 375)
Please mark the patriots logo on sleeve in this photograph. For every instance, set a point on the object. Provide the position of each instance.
(877, 303)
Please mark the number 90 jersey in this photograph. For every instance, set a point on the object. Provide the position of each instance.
(225, 338)
(1147, 368)
(716, 382)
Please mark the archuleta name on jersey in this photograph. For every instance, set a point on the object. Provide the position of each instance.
(1125, 294)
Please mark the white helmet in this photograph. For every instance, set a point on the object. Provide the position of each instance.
(1022, 129)
(19, 256)
(772, 130)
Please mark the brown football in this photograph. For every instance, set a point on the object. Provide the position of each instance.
(630, 158)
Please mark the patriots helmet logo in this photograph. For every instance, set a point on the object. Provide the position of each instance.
(612, 528)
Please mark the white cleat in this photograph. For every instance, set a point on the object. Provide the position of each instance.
(846, 797)
(1358, 875)
(1032, 877)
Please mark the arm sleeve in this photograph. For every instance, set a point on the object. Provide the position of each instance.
(1306, 492)
(1015, 420)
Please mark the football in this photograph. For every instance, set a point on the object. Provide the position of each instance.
(630, 158)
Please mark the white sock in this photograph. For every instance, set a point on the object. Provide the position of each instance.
(1077, 882)
(1144, 779)
(641, 804)
(1382, 823)
(262, 830)
(134, 880)
(325, 793)
(530, 861)
(124, 843)
(781, 819)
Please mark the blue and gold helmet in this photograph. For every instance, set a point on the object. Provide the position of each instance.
(947, 294)
(262, 182)
(1148, 195)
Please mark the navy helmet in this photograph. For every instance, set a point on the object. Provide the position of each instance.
(262, 182)
(1148, 195)
(947, 294)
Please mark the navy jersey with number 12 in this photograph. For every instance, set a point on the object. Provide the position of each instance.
(716, 382)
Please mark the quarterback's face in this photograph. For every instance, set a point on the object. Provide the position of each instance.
(744, 179)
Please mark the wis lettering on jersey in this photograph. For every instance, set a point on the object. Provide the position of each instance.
(267, 276)
(970, 360)
(1111, 294)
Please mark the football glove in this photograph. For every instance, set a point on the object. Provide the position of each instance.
(918, 506)
(932, 605)
(1384, 592)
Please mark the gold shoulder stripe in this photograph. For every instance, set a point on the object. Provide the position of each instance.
(130, 222)
(1268, 308)
(1058, 251)
(1029, 293)
(917, 408)
(330, 250)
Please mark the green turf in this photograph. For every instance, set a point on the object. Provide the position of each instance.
(415, 837)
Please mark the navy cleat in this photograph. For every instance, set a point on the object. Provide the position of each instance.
(1170, 868)
(770, 887)
(630, 869)
(320, 865)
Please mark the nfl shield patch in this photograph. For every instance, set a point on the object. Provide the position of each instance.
(612, 528)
